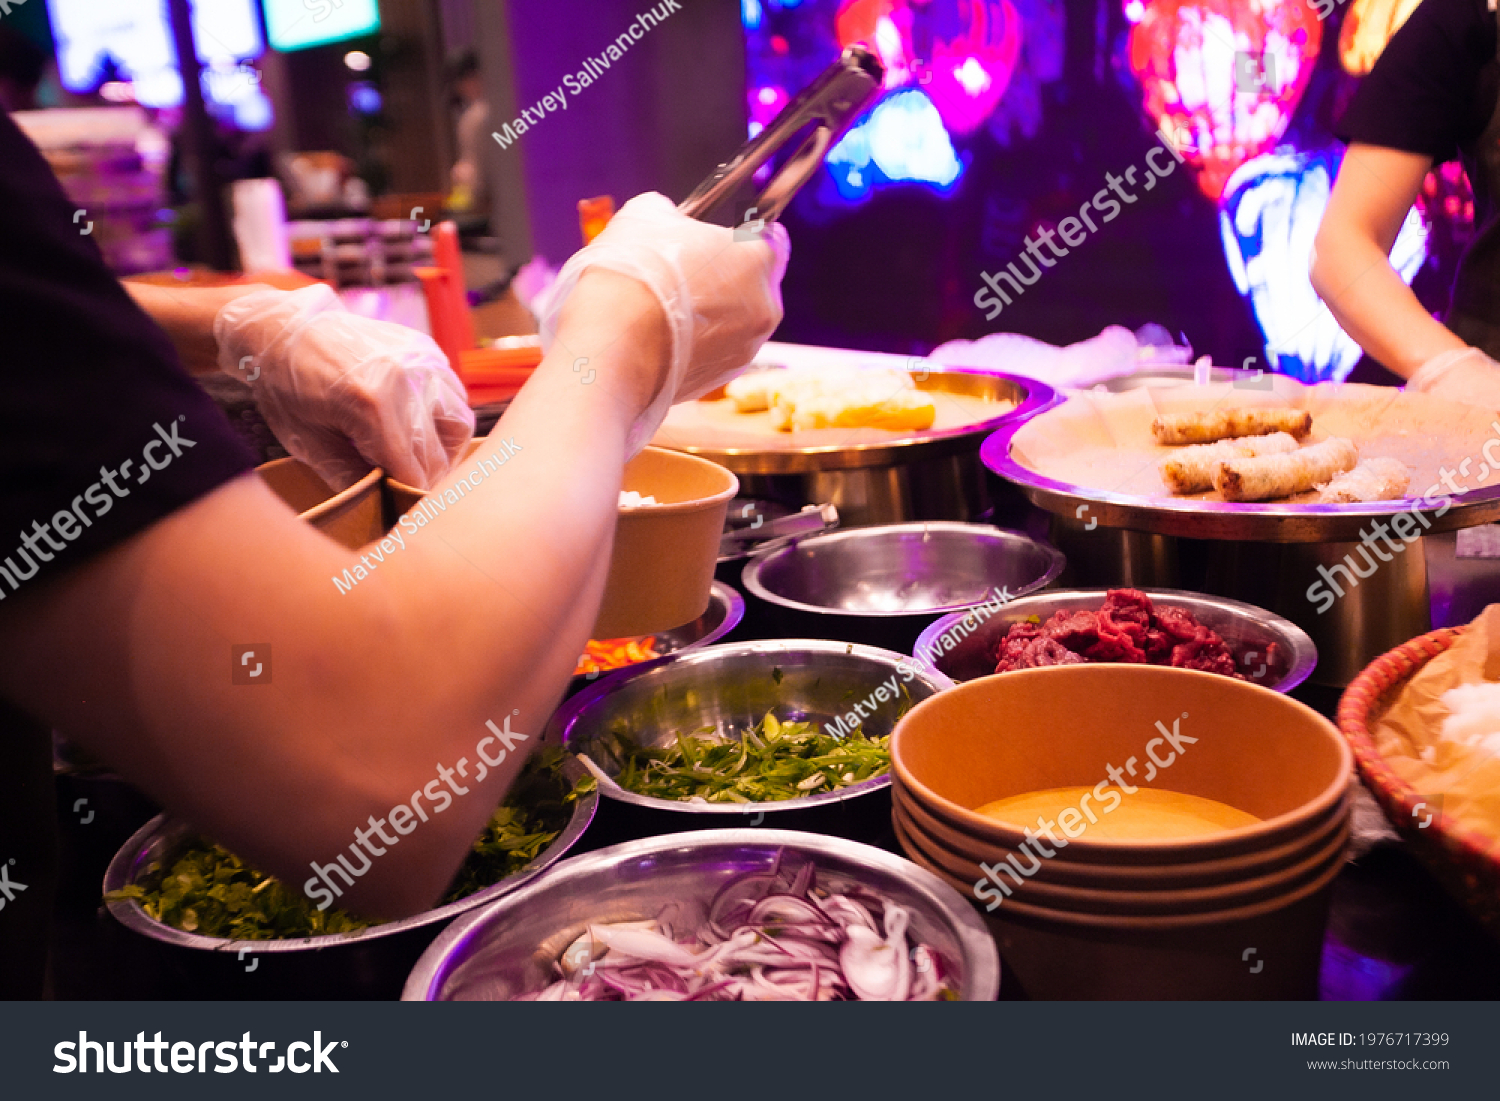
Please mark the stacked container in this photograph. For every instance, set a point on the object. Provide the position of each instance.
(1238, 914)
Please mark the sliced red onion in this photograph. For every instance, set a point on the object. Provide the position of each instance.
(769, 937)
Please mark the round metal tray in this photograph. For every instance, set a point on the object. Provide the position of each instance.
(1194, 519)
(1030, 396)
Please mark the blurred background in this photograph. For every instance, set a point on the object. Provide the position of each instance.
(374, 117)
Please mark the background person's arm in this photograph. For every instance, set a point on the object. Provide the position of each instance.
(480, 617)
(187, 316)
(1351, 269)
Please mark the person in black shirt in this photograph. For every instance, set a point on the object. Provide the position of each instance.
(138, 550)
(1431, 97)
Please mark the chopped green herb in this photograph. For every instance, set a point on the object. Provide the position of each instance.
(775, 760)
(210, 891)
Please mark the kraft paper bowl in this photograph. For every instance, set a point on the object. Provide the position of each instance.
(661, 570)
(662, 567)
(1134, 919)
(351, 517)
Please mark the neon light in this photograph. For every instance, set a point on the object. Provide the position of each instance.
(902, 140)
(972, 77)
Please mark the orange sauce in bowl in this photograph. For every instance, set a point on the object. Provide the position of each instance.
(1151, 814)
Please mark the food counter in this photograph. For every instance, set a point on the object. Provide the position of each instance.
(825, 754)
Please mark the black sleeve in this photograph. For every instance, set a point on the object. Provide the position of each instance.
(1422, 96)
(102, 431)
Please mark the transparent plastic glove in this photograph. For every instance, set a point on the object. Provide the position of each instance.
(344, 393)
(1464, 374)
(721, 297)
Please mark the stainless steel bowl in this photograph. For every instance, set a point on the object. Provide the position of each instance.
(368, 964)
(507, 949)
(880, 585)
(729, 688)
(1248, 630)
(726, 607)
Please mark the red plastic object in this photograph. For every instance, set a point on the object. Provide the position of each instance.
(447, 307)
(488, 374)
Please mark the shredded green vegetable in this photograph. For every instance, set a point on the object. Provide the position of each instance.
(210, 891)
(776, 760)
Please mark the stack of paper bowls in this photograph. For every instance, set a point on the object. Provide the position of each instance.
(1236, 914)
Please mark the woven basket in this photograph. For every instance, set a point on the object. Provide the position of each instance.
(1465, 862)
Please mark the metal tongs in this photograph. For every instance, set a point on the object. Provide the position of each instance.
(833, 102)
(742, 537)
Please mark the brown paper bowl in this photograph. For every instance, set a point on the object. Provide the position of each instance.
(1235, 889)
(1072, 868)
(351, 517)
(662, 568)
(1152, 919)
(664, 556)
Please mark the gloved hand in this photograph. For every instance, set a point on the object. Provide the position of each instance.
(721, 297)
(1463, 374)
(344, 393)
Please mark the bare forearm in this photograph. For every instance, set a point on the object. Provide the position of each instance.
(187, 315)
(1351, 269)
(1374, 306)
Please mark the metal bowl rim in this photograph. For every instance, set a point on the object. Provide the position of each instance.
(1304, 652)
(1056, 563)
(734, 611)
(1260, 520)
(129, 912)
(981, 958)
(569, 713)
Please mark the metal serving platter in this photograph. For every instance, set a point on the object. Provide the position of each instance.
(1195, 519)
(1247, 629)
(368, 963)
(506, 950)
(1029, 395)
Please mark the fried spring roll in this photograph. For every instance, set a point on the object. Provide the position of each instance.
(1273, 476)
(1192, 469)
(1380, 479)
(1222, 424)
